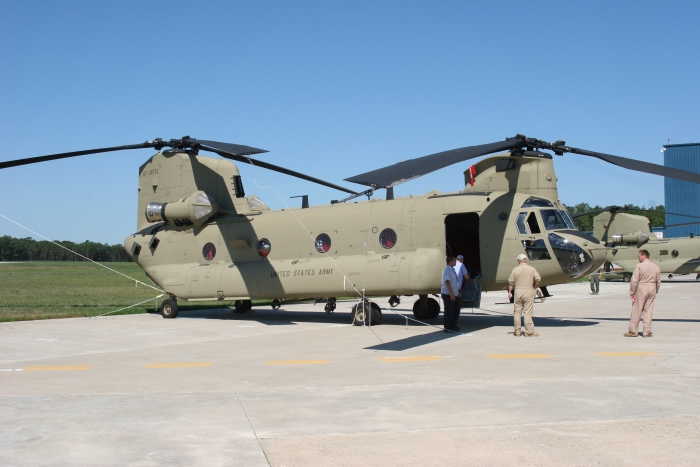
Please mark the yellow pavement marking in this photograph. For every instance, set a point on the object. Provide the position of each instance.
(298, 362)
(425, 358)
(520, 355)
(178, 365)
(57, 368)
(627, 354)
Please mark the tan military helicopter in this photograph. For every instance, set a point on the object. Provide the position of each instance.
(199, 237)
(626, 233)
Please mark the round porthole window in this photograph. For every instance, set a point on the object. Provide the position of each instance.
(387, 238)
(209, 251)
(263, 246)
(323, 243)
(675, 253)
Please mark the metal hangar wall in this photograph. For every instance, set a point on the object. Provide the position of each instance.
(682, 197)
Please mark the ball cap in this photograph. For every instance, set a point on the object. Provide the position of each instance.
(522, 257)
(460, 257)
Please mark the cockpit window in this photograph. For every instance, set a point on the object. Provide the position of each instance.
(553, 220)
(536, 250)
(533, 202)
(533, 224)
(567, 218)
(520, 223)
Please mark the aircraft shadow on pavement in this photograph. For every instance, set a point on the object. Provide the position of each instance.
(472, 322)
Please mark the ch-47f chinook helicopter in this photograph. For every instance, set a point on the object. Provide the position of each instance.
(199, 237)
(626, 233)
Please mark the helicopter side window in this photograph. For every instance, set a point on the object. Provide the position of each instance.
(264, 247)
(520, 223)
(553, 220)
(536, 250)
(323, 243)
(387, 239)
(533, 224)
(533, 202)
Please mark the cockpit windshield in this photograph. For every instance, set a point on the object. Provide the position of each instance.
(556, 220)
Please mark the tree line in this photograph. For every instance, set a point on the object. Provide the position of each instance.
(28, 249)
(656, 214)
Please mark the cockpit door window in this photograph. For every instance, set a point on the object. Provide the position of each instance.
(533, 224)
(553, 220)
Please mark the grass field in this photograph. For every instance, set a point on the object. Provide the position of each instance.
(43, 290)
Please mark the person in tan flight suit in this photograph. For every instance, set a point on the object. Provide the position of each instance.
(644, 286)
(524, 279)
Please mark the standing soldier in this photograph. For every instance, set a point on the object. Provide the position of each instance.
(644, 286)
(462, 274)
(594, 279)
(524, 279)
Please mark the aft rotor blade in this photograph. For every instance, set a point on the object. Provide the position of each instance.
(279, 169)
(638, 166)
(65, 155)
(234, 149)
(413, 168)
(681, 225)
(586, 213)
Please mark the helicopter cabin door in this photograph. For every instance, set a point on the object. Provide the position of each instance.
(462, 238)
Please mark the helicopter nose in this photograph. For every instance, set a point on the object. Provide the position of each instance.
(578, 254)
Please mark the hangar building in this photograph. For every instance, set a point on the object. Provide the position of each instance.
(682, 197)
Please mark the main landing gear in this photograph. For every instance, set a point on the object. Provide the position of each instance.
(330, 306)
(426, 308)
(366, 312)
(242, 306)
(394, 301)
(169, 309)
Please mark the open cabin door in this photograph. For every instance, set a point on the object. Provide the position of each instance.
(462, 238)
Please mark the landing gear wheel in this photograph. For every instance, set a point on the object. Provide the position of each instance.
(376, 314)
(168, 309)
(330, 306)
(276, 304)
(394, 301)
(418, 312)
(433, 308)
(242, 306)
(360, 313)
(670, 276)
(627, 277)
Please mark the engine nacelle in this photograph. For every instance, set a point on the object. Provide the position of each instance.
(195, 209)
(636, 238)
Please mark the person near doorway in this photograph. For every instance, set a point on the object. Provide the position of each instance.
(450, 295)
(524, 279)
(644, 286)
(594, 280)
(462, 274)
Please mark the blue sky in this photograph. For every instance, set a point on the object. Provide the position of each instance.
(333, 89)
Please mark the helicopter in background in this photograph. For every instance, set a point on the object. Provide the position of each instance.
(626, 233)
(200, 238)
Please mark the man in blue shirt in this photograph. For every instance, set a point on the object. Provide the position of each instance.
(450, 295)
(462, 273)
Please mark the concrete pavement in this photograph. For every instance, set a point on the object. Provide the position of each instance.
(299, 387)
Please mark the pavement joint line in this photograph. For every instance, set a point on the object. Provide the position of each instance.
(178, 365)
(297, 362)
(519, 355)
(417, 358)
(58, 368)
(628, 354)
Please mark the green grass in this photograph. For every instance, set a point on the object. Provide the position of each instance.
(44, 290)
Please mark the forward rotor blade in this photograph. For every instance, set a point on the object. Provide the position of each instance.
(638, 166)
(234, 149)
(413, 168)
(65, 155)
(277, 168)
